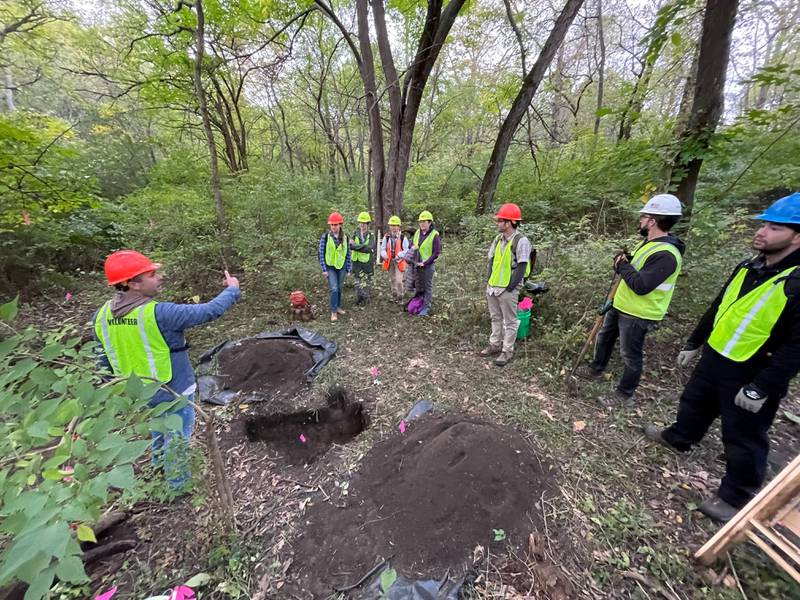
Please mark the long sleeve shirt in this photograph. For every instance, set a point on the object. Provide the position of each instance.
(778, 360)
(173, 320)
(654, 271)
(348, 265)
(404, 246)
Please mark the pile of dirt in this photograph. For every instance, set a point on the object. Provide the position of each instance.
(265, 366)
(426, 498)
(303, 436)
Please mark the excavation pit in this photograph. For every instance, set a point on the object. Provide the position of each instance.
(303, 436)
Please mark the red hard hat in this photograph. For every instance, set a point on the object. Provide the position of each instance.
(335, 219)
(124, 265)
(509, 212)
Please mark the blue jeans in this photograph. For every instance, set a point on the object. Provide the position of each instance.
(335, 283)
(171, 454)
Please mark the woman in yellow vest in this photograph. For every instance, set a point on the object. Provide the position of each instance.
(362, 252)
(750, 337)
(334, 259)
(427, 246)
(394, 247)
(642, 298)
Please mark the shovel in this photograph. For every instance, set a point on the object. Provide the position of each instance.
(572, 380)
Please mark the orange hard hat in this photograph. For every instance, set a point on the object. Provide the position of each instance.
(124, 265)
(509, 212)
(335, 219)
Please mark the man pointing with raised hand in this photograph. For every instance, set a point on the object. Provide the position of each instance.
(145, 337)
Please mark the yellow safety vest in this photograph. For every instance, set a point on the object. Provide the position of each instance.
(502, 261)
(742, 325)
(358, 256)
(133, 343)
(652, 306)
(335, 255)
(426, 249)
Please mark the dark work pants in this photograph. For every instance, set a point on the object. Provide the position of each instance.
(709, 394)
(631, 332)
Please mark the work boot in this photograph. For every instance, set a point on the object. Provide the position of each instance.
(656, 434)
(334, 317)
(490, 350)
(717, 509)
(616, 398)
(588, 372)
(502, 360)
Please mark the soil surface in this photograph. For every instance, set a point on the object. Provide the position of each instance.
(264, 367)
(426, 498)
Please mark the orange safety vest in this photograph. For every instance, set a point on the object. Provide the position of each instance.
(397, 250)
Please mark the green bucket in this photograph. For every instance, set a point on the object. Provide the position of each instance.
(524, 330)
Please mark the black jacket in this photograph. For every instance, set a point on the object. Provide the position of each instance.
(778, 360)
(655, 270)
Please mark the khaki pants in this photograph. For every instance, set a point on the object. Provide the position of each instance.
(396, 281)
(503, 311)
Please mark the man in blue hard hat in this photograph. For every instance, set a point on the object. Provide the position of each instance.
(750, 337)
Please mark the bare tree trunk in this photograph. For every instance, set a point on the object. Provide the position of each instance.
(10, 107)
(366, 65)
(529, 86)
(712, 63)
(212, 149)
(601, 67)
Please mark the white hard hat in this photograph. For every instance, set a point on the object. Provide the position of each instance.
(663, 204)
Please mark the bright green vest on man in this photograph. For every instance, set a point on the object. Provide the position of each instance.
(502, 261)
(426, 249)
(358, 256)
(742, 325)
(133, 343)
(335, 255)
(652, 306)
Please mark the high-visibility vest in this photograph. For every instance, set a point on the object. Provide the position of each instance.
(398, 248)
(426, 249)
(133, 343)
(652, 306)
(358, 256)
(743, 325)
(335, 255)
(502, 261)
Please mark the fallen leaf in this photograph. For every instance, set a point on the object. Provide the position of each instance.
(578, 425)
(196, 299)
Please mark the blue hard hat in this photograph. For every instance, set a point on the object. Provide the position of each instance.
(785, 210)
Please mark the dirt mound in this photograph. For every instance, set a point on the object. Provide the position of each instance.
(265, 366)
(303, 436)
(427, 498)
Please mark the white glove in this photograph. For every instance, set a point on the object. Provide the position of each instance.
(687, 356)
(750, 399)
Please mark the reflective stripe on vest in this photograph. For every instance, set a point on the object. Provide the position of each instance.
(743, 325)
(401, 264)
(133, 343)
(358, 256)
(502, 262)
(652, 306)
(426, 249)
(335, 255)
